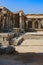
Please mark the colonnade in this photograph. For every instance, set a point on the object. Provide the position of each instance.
(7, 22)
(34, 24)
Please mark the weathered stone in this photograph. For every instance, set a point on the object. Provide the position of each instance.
(16, 30)
(18, 41)
(1, 39)
(5, 43)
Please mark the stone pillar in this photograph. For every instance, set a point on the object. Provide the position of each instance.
(20, 20)
(7, 22)
(39, 24)
(27, 25)
(13, 22)
(3, 23)
(10, 23)
(33, 25)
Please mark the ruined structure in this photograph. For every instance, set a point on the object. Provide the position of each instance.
(10, 20)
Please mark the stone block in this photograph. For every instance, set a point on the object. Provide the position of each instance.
(5, 43)
(16, 30)
(1, 39)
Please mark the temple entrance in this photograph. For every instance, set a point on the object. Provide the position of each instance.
(36, 24)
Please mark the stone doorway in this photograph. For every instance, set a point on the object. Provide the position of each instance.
(30, 24)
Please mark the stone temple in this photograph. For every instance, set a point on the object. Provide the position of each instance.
(10, 20)
(23, 31)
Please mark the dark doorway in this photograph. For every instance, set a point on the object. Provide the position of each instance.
(30, 24)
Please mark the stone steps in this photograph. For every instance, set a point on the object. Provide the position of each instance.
(32, 42)
(35, 46)
(26, 49)
(33, 36)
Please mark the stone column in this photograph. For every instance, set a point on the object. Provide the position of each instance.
(33, 25)
(7, 22)
(39, 24)
(13, 21)
(27, 25)
(10, 23)
(3, 23)
(20, 20)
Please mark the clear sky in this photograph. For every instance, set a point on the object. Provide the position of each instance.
(28, 6)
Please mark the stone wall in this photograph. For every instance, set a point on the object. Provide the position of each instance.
(4, 39)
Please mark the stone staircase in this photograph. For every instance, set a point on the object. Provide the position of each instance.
(33, 42)
(33, 36)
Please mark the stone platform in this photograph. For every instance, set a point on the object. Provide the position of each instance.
(33, 42)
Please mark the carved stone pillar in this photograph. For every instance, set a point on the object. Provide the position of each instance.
(7, 22)
(39, 24)
(42, 24)
(13, 22)
(33, 25)
(3, 23)
(20, 20)
(27, 25)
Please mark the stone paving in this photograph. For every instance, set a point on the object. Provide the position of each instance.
(22, 59)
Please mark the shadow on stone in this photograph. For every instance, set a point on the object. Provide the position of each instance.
(7, 50)
(30, 57)
(31, 30)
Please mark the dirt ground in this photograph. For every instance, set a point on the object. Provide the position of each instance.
(22, 59)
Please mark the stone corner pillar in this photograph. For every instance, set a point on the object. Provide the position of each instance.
(27, 24)
(20, 20)
(33, 25)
